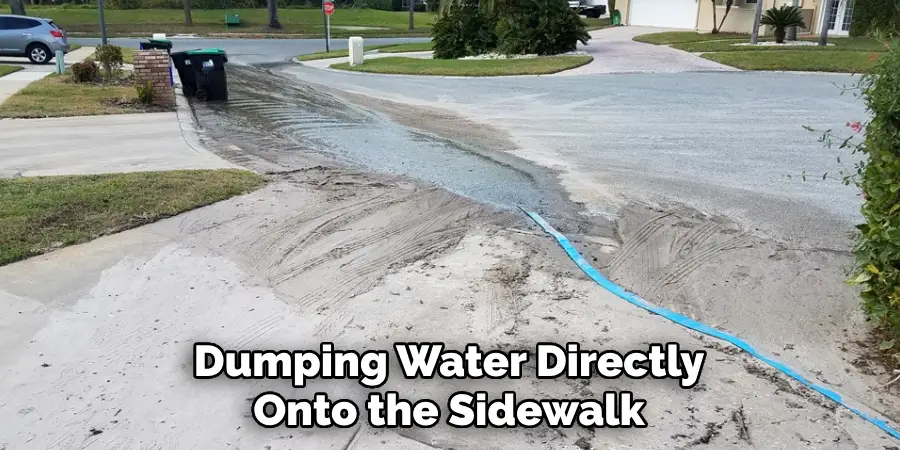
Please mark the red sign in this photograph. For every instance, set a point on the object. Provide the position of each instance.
(329, 8)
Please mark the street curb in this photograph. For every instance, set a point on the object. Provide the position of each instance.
(190, 127)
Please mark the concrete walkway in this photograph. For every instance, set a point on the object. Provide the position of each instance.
(16, 81)
(614, 51)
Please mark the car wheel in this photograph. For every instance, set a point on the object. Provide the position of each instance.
(39, 53)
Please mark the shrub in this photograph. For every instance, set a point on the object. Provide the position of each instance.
(878, 249)
(464, 31)
(543, 27)
(144, 92)
(781, 19)
(85, 72)
(110, 57)
(872, 15)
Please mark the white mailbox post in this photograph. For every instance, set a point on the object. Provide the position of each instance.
(356, 50)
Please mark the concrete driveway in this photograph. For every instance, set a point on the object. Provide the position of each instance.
(614, 51)
(101, 144)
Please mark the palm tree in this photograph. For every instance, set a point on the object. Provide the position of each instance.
(782, 18)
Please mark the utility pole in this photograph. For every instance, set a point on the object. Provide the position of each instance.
(754, 39)
(102, 23)
(826, 23)
(412, 11)
(792, 31)
(326, 24)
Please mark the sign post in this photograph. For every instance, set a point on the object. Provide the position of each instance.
(328, 9)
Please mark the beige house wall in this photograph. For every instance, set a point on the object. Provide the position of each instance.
(742, 15)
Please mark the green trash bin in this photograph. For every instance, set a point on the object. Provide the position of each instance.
(616, 17)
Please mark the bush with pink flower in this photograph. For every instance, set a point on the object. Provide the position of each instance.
(878, 249)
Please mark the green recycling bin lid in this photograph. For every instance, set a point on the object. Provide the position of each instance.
(207, 51)
(160, 41)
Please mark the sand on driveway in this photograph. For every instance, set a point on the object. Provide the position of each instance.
(96, 339)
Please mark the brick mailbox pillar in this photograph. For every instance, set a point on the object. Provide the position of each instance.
(153, 66)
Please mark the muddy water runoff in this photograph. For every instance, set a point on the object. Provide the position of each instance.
(289, 124)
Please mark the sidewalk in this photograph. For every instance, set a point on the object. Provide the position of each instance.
(17, 81)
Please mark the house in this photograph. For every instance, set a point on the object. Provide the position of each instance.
(698, 14)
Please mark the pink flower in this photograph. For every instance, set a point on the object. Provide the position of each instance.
(855, 126)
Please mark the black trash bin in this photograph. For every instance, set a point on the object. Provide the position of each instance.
(185, 72)
(209, 71)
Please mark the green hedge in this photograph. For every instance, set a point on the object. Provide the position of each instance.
(872, 15)
(878, 250)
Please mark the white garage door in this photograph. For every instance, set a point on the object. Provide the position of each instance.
(664, 13)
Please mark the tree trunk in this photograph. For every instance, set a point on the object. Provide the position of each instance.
(714, 30)
(728, 4)
(823, 34)
(754, 38)
(187, 13)
(412, 13)
(272, 7)
(780, 33)
(17, 7)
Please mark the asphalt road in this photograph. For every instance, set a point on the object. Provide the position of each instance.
(251, 51)
(729, 143)
(725, 143)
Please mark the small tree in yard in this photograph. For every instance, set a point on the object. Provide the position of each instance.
(728, 5)
(878, 249)
(110, 57)
(781, 19)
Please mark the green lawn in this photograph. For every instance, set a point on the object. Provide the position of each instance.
(677, 37)
(56, 96)
(41, 214)
(469, 68)
(387, 48)
(850, 55)
(303, 22)
(597, 24)
(802, 60)
(860, 44)
(6, 70)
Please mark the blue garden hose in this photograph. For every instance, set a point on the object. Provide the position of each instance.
(692, 324)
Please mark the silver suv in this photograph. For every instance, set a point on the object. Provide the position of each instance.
(31, 37)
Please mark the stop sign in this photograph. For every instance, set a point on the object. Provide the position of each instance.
(329, 8)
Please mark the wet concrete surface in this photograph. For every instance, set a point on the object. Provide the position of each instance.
(724, 143)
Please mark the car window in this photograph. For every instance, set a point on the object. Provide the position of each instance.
(19, 23)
